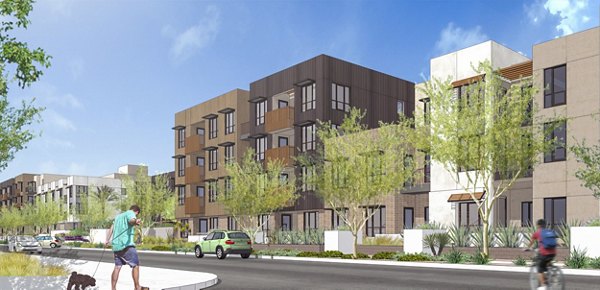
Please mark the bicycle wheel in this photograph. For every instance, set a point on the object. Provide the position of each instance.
(555, 278)
(533, 277)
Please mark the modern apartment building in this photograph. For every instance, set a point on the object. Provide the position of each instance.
(18, 191)
(206, 137)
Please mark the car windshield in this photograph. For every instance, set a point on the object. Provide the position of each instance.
(238, 235)
(25, 239)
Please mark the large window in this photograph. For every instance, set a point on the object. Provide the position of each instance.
(286, 222)
(229, 123)
(261, 147)
(376, 223)
(282, 141)
(212, 191)
(311, 220)
(227, 185)
(468, 214)
(261, 109)
(526, 211)
(203, 225)
(409, 217)
(340, 97)
(559, 135)
(231, 224)
(555, 211)
(181, 166)
(214, 223)
(181, 138)
(212, 128)
(308, 137)
(308, 97)
(555, 86)
(200, 161)
(200, 192)
(229, 154)
(213, 159)
(200, 131)
(181, 195)
(502, 211)
(336, 220)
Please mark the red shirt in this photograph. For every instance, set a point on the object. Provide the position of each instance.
(543, 251)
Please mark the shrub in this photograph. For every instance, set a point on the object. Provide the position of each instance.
(384, 256)
(161, 248)
(520, 261)
(87, 245)
(480, 259)
(16, 264)
(508, 237)
(432, 226)
(278, 252)
(564, 232)
(455, 257)
(78, 232)
(460, 236)
(310, 237)
(308, 254)
(577, 259)
(382, 241)
(330, 254)
(593, 223)
(358, 256)
(478, 237)
(76, 244)
(437, 240)
(594, 263)
(414, 257)
(3, 242)
(527, 233)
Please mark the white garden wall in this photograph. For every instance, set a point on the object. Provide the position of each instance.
(587, 239)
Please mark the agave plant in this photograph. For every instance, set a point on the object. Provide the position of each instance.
(437, 240)
(508, 237)
(478, 237)
(527, 232)
(460, 236)
(564, 231)
(432, 226)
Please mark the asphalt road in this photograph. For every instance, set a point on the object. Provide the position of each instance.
(236, 273)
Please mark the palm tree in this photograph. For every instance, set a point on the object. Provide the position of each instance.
(104, 196)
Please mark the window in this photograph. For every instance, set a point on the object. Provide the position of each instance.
(308, 97)
(200, 191)
(502, 210)
(261, 147)
(400, 108)
(286, 222)
(231, 224)
(229, 123)
(526, 211)
(212, 191)
(212, 128)
(409, 217)
(310, 220)
(283, 178)
(282, 141)
(227, 185)
(229, 154)
(214, 224)
(308, 137)
(559, 134)
(282, 104)
(203, 226)
(181, 195)
(427, 169)
(212, 159)
(340, 97)
(183, 234)
(261, 109)
(181, 167)
(200, 131)
(555, 211)
(376, 223)
(555, 86)
(263, 223)
(200, 161)
(468, 214)
(426, 108)
(181, 138)
(307, 172)
(426, 214)
(336, 219)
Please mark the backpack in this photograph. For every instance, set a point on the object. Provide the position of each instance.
(548, 238)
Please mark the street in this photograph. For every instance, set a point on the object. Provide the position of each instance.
(236, 273)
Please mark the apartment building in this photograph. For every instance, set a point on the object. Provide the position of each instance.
(206, 137)
(18, 191)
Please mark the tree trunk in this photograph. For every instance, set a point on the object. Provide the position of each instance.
(485, 245)
(354, 244)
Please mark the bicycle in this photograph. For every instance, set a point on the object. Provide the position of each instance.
(554, 276)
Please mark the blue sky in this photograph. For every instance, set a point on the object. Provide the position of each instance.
(122, 69)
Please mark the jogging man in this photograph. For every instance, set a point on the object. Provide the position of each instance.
(545, 255)
(121, 235)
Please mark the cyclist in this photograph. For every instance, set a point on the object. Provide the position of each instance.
(545, 254)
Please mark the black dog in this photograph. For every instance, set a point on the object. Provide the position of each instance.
(80, 281)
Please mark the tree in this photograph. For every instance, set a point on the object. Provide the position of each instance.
(255, 189)
(589, 173)
(155, 199)
(358, 168)
(93, 213)
(46, 214)
(10, 219)
(17, 62)
(486, 137)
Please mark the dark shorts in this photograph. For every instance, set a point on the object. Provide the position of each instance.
(127, 256)
(543, 262)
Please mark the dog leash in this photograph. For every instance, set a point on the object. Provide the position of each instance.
(104, 250)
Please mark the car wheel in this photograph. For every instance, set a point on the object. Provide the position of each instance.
(220, 253)
(198, 252)
(245, 256)
(53, 245)
(40, 252)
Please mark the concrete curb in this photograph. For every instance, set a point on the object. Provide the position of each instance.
(515, 269)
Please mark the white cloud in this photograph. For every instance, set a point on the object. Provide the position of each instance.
(572, 15)
(196, 37)
(49, 94)
(536, 11)
(454, 38)
(57, 120)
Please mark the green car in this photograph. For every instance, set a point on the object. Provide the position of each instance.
(223, 243)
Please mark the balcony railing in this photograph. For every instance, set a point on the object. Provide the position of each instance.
(279, 119)
(194, 174)
(194, 205)
(284, 154)
(194, 143)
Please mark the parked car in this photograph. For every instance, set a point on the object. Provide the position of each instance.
(223, 243)
(47, 241)
(76, 239)
(24, 244)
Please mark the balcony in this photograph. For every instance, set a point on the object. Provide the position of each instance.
(194, 174)
(194, 144)
(284, 154)
(194, 205)
(279, 119)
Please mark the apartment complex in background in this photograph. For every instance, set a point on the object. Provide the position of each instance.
(18, 191)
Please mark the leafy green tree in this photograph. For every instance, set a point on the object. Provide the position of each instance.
(46, 214)
(93, 213)
(589, 173)
(10, 219)
(487, 137)
(358, 167)
(21, 64)
(255, 189)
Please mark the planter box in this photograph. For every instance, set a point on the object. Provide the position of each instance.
(586, 239)
(413, 240)
(340, 241)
